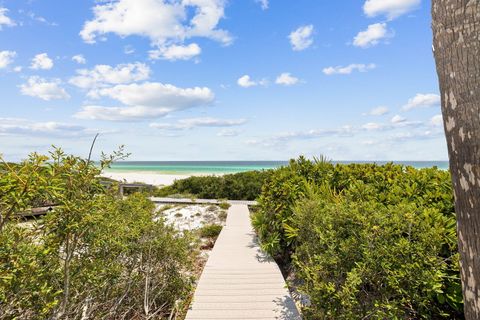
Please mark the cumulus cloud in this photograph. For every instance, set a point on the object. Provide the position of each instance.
(41, 61)
(176, 52)
(422, 101)
(372, 36)
(44, 89)
(286, 79)
(301, 38)
(103, 75)
(191, 123)
(4, 19)
(15, 126)
(378, 111)
(263, 3)
(348, 69)
(155, 94)
(146, 100)
(6, 58)
(397, 119)
(164, 22)
(389, 8)
(436, 120)
(246, 82)
(80, 59)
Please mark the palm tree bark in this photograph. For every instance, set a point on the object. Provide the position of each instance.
(456, 45)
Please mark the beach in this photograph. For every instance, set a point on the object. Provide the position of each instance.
(163, 173)
(153, 178)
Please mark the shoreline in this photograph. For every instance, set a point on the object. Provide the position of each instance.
(151, 177)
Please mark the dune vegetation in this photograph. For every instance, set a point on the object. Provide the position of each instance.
(364, 241)
(358, 241)
(95, 255)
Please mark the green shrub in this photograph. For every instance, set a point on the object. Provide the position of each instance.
(210, 231)
(279, 193)
(95, 255)
(362, 260)
(389, 184)
(374, 242)
(238, 186)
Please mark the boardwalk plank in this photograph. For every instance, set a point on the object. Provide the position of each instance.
(240, 281)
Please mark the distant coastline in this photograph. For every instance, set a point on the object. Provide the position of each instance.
(225, 167)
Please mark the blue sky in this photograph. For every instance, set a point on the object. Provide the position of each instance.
(220, 79)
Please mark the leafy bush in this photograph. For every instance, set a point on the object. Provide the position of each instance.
(362, 260)
(388, 184)
(210, 231)
(238, 186)
(94, 256)
(367, 241)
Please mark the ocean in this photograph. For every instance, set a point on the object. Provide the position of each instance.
(222, 167)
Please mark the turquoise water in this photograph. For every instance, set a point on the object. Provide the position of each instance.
(217, 167)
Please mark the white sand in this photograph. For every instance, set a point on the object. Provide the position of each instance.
(192, 216)
(156, 179)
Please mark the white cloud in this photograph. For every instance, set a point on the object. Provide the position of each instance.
(302, 38)
(422, 101)
(286, 79)
(390, 8)
(80, 59)
(176, 52)
(164, 22)
(263, 4)
(146, 100)
(41, 61)
(16, 126)
(397, 119)
(436, 120)
(379, 111)
(348, 69)
(158, 95)
(4, 19)
(246, 82)
(103, 75)
(6, 58)
(44, 89)
(191, 123)
(372, 36)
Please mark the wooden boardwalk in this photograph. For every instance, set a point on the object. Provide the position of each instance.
(239, 280)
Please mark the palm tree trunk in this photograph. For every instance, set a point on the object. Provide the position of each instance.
(456, 45)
